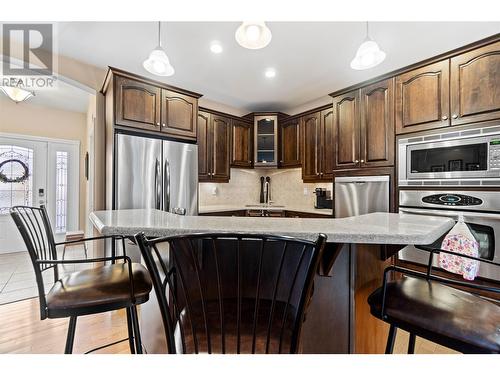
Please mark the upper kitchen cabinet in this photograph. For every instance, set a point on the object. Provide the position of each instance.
(178, 114)
(346, 130)
(139, 103)
(242, 144)
(317, 146)
(377, 124)
(475, 85)
(289, 143)
(422, 98)
(214, 140)
(265, 140)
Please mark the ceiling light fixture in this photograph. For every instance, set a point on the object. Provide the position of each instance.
(368, 55)
(158, 63)
(216, 47)
(253, 35)
(17, 94)
(270, 73)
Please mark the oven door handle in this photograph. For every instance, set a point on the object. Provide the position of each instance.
(448, 213)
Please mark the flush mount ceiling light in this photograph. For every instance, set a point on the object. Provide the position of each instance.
(17, 94)
(216, 47)
(158, 63)
(270, 73)
(253, 35)
(368, 55)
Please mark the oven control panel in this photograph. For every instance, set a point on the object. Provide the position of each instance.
(452, 200)
(495, 153)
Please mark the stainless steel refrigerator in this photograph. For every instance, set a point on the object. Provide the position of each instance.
(359, 195)
(155, 173)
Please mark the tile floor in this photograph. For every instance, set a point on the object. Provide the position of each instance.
(17, 278)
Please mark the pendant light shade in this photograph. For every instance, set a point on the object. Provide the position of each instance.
(158, 62)
(17, 94)
(368, 55)
(253, 35)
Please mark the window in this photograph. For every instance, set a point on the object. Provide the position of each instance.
(61, 190)
(16, 184)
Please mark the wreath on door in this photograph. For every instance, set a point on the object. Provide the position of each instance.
(22, 178)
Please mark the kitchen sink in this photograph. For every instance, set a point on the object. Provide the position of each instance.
(263, 206)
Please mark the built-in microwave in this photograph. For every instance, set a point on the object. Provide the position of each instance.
(459, 158)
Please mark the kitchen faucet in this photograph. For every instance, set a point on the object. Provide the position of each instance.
(267, 190)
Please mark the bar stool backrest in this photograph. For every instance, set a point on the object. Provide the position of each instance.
(34, 226)
(232, 293)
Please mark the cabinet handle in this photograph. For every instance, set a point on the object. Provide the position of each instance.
(163, 125)
(321, 174)
(444, 118)
(356, 161)
(362, 161)
(157, 124)
(454, 116)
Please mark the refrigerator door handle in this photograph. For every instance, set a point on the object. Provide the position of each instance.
(166, 186)
(157, 185)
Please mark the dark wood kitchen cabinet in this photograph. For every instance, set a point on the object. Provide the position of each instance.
(137, 104)
(178, 114)
(475, 85)
(422, 98)
(149, 106)
(318, 140)
(346, 130)
(242, 144)
(377, 124)
(214, 140)
(289, 143)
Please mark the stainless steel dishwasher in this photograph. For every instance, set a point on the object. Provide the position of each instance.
(361, 195)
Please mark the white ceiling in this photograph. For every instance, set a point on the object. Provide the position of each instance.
(311, 58)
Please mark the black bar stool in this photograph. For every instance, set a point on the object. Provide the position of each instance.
(90, 291)
(424, 305)
(232, 293)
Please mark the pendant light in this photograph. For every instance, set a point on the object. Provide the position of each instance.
(368, 55)
(253, 35)
(158, 63)
(17, 94)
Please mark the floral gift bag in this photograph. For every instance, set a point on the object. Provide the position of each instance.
(460, 240)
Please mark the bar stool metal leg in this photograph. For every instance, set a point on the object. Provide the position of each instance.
(411, 344)
(137, 334)
(71, 335)
(390, 340)
(130, 331)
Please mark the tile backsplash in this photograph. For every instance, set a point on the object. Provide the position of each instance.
(243, 188)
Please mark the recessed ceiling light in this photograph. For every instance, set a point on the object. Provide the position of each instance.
(270, 73)
(216, 47)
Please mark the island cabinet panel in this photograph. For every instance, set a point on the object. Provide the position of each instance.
(422, 98)
(204, 150)
(289, 143)
(221, 147)
(178, 114)
(377, 124)
(242, 141)
(137, 104)
(475, 85)
(346, 130)
(311, 146)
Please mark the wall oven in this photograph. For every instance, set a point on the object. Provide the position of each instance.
(453, 158)
(481, 212)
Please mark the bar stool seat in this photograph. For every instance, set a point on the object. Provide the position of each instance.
(97, 290)
(448, 316)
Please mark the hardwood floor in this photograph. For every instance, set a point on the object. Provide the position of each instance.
(22, 331)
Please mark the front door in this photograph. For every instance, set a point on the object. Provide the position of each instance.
(23, 181)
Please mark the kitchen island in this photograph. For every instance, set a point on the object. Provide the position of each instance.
(359, 248)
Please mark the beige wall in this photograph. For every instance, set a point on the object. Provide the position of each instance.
(39, 121)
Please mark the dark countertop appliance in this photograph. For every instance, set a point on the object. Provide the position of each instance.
(323, 198)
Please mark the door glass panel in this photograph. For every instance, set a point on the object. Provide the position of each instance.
(470, 157)
(16, 177)
(61, 190)
(265, 140)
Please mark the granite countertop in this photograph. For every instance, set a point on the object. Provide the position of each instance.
(374, 228)
(276, 207)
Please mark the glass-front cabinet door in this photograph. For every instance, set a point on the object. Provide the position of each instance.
(266, 141)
